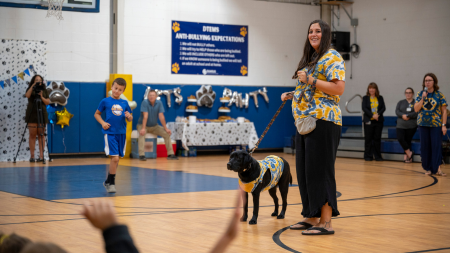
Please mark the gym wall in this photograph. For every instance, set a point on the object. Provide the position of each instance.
(400, 42)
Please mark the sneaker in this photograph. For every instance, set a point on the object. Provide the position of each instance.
(112, 188)
(142, 158)
(109, 187)
(172, 157)
(379, 159)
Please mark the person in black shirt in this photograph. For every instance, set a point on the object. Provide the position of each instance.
(31, 116)
(101, 214)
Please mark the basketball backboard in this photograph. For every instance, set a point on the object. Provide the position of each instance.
(68, 5)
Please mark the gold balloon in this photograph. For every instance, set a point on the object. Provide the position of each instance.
(63, 117)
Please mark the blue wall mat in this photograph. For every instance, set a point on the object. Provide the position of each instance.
(394, 147)
(357, 120)
(84, 133)
(392, 134)
(71, 133)
(72, 182)
(351, 120)
(91, 136)
(390, 120)
(282, 127)
(50, 138)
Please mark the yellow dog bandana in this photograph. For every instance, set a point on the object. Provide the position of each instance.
(274, 164)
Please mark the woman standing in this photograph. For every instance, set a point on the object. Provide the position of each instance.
(31, 116)
(321, 80)
(406, 123)
(373, 107)
(432, 118)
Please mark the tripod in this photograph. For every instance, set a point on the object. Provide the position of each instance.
(40, 125)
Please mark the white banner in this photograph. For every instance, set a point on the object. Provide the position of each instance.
(15, 73)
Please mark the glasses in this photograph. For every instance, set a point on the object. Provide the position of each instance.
(408, 93)
(429, 81)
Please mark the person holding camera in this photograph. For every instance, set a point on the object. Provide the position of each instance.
(36, 89)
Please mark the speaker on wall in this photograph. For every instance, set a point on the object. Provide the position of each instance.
(341, 41)
(345, 56)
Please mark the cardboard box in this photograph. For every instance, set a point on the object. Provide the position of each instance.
(149, 148)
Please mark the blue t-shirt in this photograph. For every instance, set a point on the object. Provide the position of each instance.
(115, 114)
(153, 112)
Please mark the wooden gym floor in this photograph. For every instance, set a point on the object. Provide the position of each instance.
(185, 206)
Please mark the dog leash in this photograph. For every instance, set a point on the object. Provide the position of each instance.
(268, 126)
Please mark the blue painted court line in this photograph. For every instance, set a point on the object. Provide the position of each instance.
(85, 181)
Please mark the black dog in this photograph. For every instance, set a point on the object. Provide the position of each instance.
(249, 170)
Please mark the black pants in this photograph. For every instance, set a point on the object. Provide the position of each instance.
(372, 140)
(431, 148)
(315, 158)
(405, 136)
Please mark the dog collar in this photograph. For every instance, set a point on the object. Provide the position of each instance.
(249, 167)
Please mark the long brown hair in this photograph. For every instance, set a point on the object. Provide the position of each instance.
(309, 57)
(435, 81)
(33, 79)
(375, 86)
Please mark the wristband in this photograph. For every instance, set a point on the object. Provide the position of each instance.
(314, 83)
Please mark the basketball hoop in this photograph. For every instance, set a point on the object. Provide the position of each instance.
(55, 9)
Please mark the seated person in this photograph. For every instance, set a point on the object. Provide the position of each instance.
(151, 110)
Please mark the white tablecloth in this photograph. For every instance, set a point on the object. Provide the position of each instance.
(214, 134)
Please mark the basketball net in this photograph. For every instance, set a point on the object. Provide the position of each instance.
(55, 9)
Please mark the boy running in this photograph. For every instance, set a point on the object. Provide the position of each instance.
(114, 128)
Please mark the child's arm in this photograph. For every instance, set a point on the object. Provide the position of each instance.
(101, 214)
(98, 117)
(233, 228)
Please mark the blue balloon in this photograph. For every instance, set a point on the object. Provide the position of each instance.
(51, 108)
(51, 111)
(52, 117)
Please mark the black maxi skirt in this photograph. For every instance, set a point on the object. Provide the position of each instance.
(315, 158)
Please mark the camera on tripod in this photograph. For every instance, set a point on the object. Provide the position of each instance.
(38, 106)
(38, 87)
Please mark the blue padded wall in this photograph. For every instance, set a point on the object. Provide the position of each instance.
(395, 147)
(84, 133)
(282, 127)
(90, 130)
(71, 133)
(357, 120)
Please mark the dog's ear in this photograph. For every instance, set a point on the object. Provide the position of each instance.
(247, 159)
